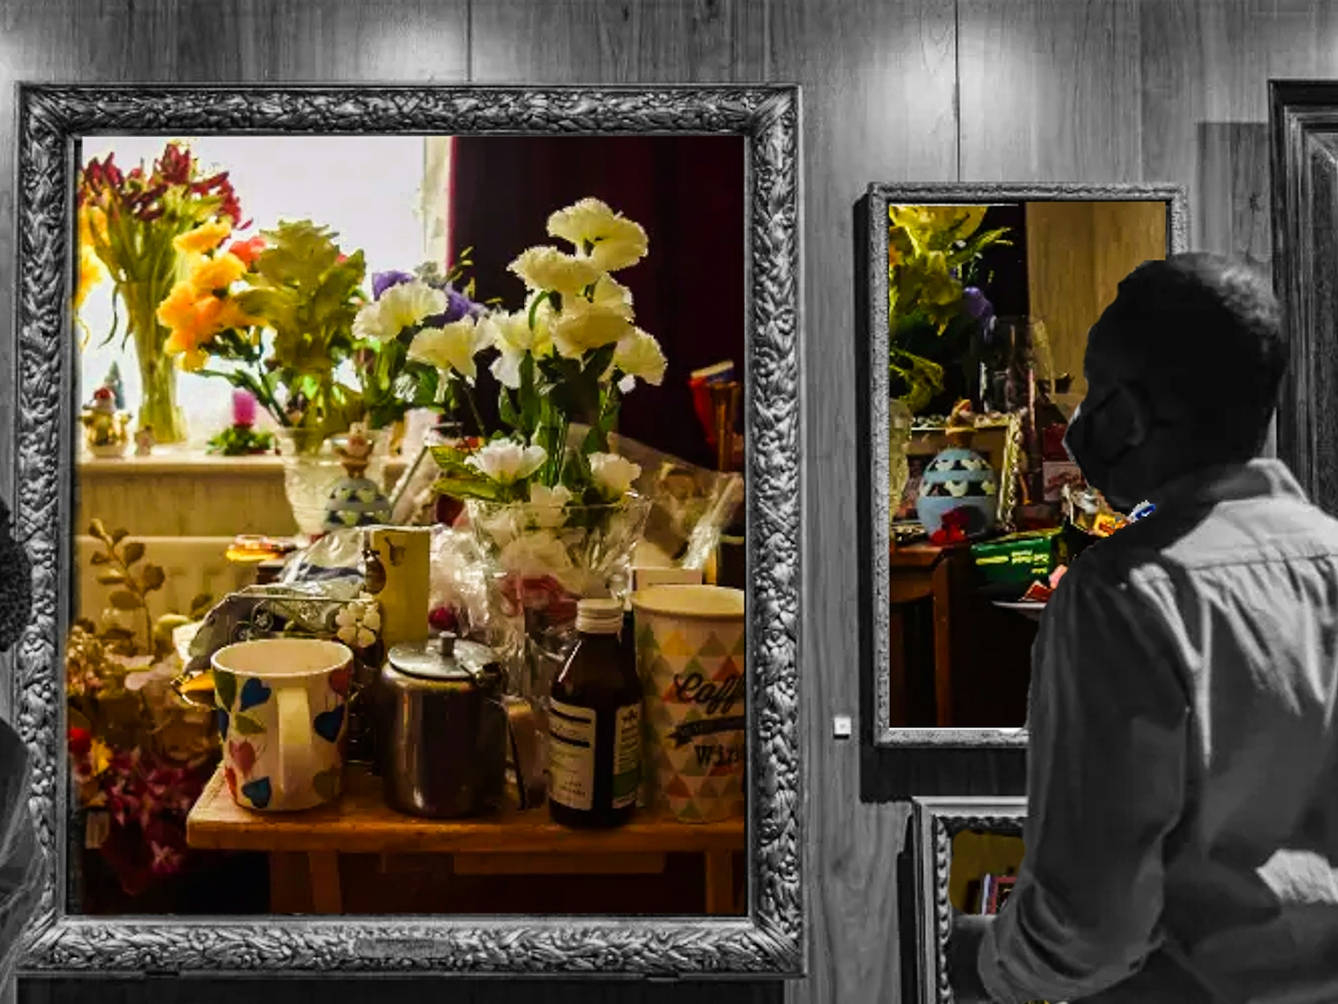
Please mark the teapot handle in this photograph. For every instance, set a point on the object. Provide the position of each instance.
(16, 583)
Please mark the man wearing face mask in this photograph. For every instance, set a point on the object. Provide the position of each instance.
(1182, 817)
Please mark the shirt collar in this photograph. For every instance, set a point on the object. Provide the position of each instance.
(1262, 477)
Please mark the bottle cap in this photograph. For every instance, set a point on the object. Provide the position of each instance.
(599, 616)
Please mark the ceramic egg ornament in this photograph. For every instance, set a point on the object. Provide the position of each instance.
(958, 478)
(356, 500)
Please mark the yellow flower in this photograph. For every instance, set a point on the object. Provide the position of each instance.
(99, 756)
(581, 326)
(513, 337)
(548, 268)
(91, 272)
(453, 346)
(612, 295)
(203, 238)
(193, 320)
(639, 355)
(219, 272)
(178, 310)
(610, 240)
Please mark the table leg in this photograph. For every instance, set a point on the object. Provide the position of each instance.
(289, 885)
(323, 869)
(896, 657)
(943, 643)
(719, 882)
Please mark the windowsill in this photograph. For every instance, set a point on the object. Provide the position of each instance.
(166, 460)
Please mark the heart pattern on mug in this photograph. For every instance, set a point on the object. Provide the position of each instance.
(243, 754)
(340, 680)
(328, 723)
(258, 792)
(327, 783)
(254, 692)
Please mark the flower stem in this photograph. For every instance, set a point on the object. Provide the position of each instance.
(473, 406)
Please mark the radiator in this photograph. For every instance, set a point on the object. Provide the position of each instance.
(193, 565)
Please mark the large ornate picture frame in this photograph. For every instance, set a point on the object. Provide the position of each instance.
(936, 822)
(1303, 121)
(769, 939)
(875, 513)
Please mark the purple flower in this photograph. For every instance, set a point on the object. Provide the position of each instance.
(978, 306)
(382, 281)
(457, 306)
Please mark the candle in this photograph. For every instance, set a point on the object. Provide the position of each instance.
(243, 408)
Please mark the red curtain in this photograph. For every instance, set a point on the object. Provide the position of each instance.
(686, 191)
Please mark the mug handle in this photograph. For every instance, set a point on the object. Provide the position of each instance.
(297, 764)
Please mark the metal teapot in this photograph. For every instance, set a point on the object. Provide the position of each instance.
(442, 738)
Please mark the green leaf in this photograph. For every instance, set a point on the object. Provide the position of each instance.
(463, 488)
(99, 558)
(119, 535)
(112, 578)
(132, 552)
(225, 688)
(246, 725)
(98, 529)
(124, 599)
(152, 577)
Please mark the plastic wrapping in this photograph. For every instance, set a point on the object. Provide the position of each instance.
(691, 506)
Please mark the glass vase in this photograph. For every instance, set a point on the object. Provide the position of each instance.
(540, 561)
(311, 468)
(158, 410)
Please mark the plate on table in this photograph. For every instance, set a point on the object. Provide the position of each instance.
(1027, 608)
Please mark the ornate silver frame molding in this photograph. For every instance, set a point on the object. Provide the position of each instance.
(1303, 121)
(877, 200)
(936, 822)
(769, 940)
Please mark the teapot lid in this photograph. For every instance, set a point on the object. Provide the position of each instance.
(446, 658)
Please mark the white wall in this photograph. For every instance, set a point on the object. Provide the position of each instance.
(368, 189)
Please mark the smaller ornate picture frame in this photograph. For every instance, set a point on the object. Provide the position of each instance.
(936, 822)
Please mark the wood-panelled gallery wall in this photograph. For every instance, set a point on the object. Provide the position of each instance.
(894, 90)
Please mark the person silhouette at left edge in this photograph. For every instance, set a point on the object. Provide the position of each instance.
(22, 862)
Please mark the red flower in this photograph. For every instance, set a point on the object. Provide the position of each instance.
(174, 166)
(81, 741)
(248, 250)
(442, 619)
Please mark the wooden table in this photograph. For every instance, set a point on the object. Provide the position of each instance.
(304, 847)
(916, 572)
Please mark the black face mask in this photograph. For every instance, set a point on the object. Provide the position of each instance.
(1083, 449)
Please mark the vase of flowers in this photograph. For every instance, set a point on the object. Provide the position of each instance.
(141, 228)
(936, 313)
(274, 316)
(556, 519)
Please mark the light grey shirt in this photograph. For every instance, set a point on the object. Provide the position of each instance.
(1182, 812)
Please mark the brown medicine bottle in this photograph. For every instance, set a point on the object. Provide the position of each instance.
(594, 724)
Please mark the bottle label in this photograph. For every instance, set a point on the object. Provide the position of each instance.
(571, 755)
(626, 755)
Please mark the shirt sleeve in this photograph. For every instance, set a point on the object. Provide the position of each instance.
(1107, 728)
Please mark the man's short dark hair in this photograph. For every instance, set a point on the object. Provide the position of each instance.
(1202, 335)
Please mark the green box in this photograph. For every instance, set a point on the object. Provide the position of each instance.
(1020, 558)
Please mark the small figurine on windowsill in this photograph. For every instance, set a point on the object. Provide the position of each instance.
(105, 428)
(144, 441)
(355, 500)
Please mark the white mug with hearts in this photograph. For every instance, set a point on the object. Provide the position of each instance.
(282, 717)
